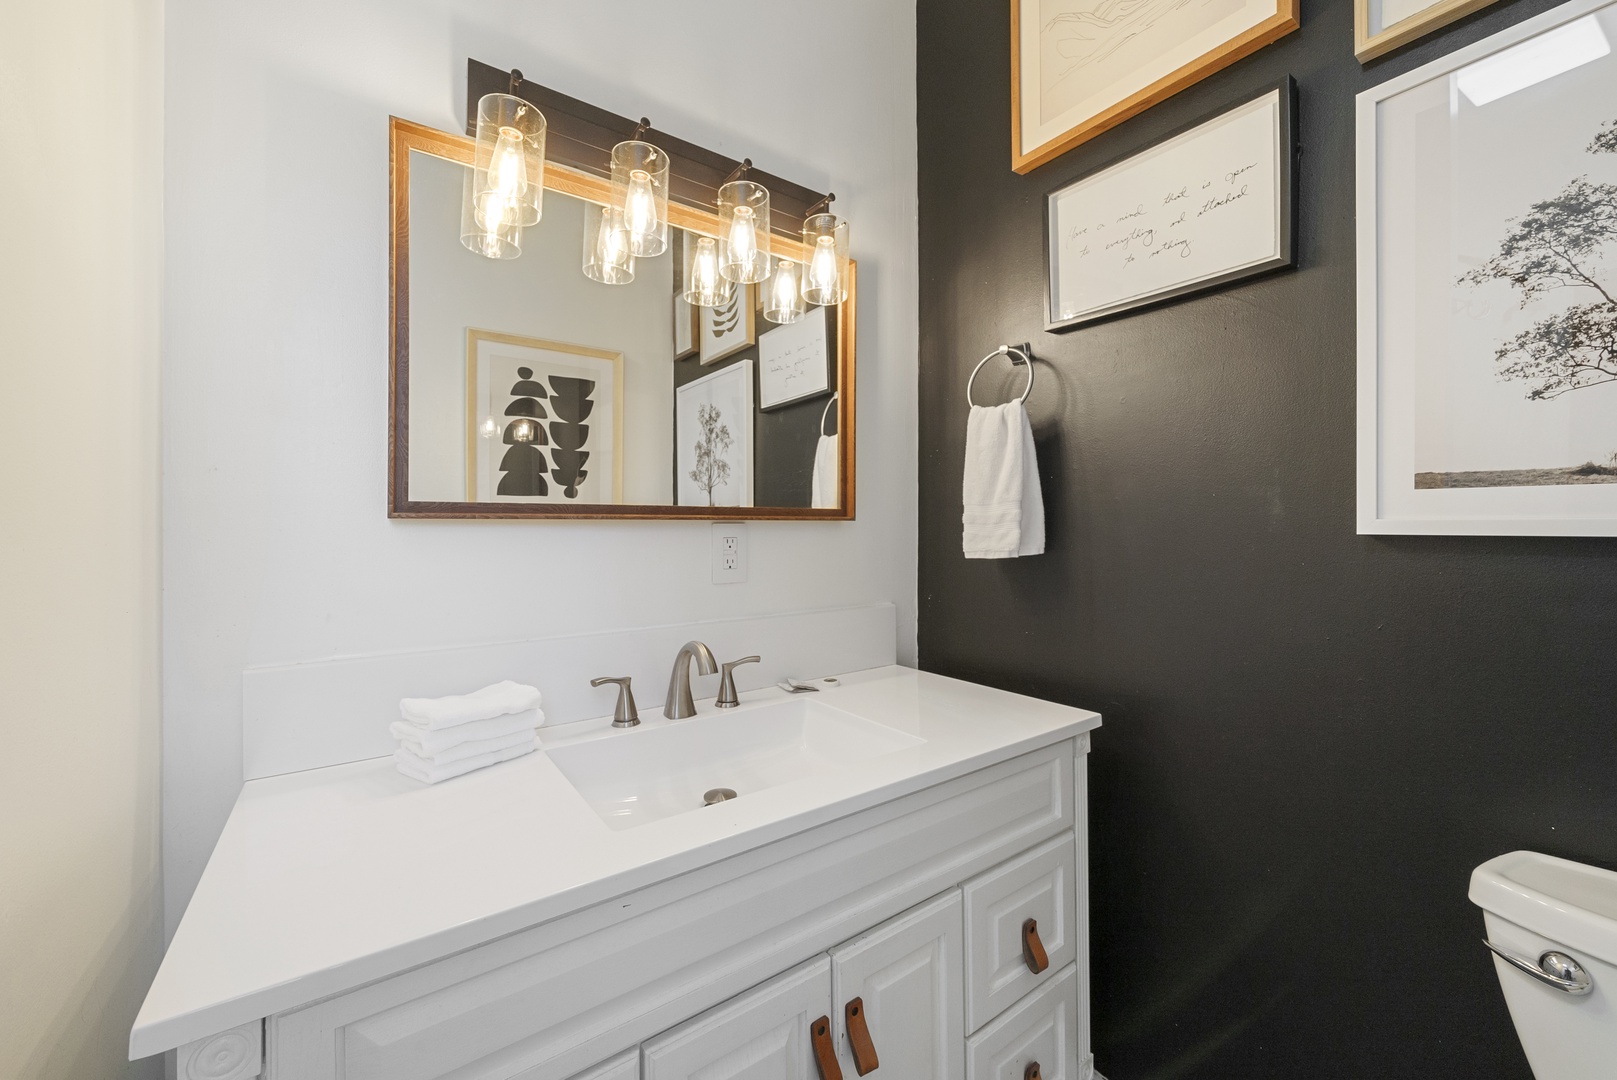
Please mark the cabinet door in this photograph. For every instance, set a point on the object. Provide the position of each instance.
(625, 1066)
(762, 1034)
(908, 976)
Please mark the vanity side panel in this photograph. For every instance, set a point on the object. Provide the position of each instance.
(549, 1001)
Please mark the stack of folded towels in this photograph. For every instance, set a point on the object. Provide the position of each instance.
(444, 737)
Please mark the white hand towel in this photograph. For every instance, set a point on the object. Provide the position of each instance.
(427, 742)
(497, 700)
(417, 768)
(1004, 508)
(823, 495)
(462, 750)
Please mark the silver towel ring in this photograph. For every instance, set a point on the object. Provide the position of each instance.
(827, 412)
(1019, 354)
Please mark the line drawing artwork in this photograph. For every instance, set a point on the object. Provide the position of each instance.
(1080, 42)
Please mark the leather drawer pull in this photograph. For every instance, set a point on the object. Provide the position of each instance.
(1032, 948)
(1032, 1072)
(864, 1051)
(825, 1053)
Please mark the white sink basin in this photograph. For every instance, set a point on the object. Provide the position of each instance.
(649, 773)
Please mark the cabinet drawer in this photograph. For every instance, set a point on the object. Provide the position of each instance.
(763, 1032)
(1038, 885)
(1042, 1027)
(625, 1066)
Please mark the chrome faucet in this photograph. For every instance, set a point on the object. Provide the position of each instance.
(679, 705)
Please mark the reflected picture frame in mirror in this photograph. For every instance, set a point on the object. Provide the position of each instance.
(407, 138)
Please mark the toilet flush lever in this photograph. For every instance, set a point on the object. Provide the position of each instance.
(1555, 969)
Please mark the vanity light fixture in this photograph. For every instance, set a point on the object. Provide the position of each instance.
(489, 428)
(508, 173)
(744, 228)
(783, 296)
(608, 251)
(825, 236)
(705, 286)
(640, 192)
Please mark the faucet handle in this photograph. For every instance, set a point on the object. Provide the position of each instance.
(727, 683)
(625, 715)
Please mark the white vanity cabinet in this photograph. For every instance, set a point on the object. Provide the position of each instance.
(915, 907)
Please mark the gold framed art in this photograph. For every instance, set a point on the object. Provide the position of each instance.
(1380, 26)
(1080, 67)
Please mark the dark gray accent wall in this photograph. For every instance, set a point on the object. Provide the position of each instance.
(1311, 737)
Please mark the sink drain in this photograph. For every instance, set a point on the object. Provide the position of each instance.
(718, 795)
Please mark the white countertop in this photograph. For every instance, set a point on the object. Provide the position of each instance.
(328, 879)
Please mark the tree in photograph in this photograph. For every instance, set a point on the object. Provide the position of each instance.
(1560, 244)
(712, 470)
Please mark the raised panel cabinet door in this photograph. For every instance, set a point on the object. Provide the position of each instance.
(761, 1034)
(1032, 894)
(908, 978)
(1040, 1029)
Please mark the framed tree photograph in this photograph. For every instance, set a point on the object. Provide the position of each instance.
(713, 438)
(544, 421)
(1380, 26)
(1079, 67)
(1487, 328)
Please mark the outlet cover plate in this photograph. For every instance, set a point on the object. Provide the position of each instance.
(729, 552)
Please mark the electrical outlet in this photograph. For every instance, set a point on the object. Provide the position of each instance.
(729, 552)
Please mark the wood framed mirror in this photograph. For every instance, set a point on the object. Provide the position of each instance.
(522, 389)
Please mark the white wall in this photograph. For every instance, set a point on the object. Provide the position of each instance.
(80, 264)
(277, 546)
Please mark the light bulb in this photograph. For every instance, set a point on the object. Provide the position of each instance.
(522, 431)
(784, 303)
(822, 275)
(610, 243)
(704, 288)
(508, 168)
(743, 237)
(489, 428)
(640, 208)
(493, 219)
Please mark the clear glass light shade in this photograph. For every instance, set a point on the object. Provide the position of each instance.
(705, 286)
(825, 279)
(783, 296)
(509, 167)
(607, 255)
(496, 235)
(744, 231)
(640, 193)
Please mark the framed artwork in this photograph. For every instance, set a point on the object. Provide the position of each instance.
(1211, 204)
(1487, 335)
(794, 361)
(713, 438)
(544, 421)
(729, 327)
(1079, 67)
(1380, 26)
(685, 328)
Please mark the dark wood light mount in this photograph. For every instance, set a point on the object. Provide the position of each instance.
(581, 136)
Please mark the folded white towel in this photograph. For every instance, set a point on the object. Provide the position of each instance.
(1004, 508)
(462, 750)
(417, 768)
(497, 700)
(427, 742)
(823, 490)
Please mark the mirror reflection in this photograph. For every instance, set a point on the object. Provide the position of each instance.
(576, 375)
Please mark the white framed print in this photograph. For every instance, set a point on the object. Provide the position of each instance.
(1079, 67)
(1487, 329)
(729, 327)
(1208, 205)
(544, 421)
(713, 438)
(794, 361)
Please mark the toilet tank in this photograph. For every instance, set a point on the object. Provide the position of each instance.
(1533, 904)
